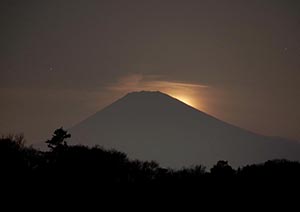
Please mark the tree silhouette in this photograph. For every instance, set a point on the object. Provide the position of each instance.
(12, 154)
(223, 169)
(58, 139)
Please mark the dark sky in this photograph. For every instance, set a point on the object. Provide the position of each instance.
(61, 61)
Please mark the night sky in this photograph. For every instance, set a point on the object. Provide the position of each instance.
(62, 61)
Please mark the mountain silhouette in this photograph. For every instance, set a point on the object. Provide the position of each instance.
(155, 126)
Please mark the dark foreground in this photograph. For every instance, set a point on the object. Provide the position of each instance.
(79, 174)
(64, 164)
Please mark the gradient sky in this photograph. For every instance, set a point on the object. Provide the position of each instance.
(61, 61)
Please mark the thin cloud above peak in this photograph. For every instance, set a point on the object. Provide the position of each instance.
(134, 82)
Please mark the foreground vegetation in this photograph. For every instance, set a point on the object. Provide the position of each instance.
(65, 163)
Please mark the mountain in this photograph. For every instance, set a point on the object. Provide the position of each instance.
(154, 126)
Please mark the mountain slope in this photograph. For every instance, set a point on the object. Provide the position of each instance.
(155, 126)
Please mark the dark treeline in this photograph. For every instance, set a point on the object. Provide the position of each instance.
(95, 165)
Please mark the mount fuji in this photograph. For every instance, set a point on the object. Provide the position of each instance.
(150, 125)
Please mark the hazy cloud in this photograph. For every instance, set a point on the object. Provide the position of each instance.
(136, 82)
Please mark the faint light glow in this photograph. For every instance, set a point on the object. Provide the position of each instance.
(185, 99)
(187, 93)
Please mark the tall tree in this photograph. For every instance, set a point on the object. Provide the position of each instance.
(58, 138)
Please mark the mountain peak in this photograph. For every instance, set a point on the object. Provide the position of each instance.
(151, 125)
(145, 93)
(151, 96)
(149, 101)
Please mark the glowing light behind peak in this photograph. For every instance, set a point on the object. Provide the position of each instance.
(189, 93)
(185, 99)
